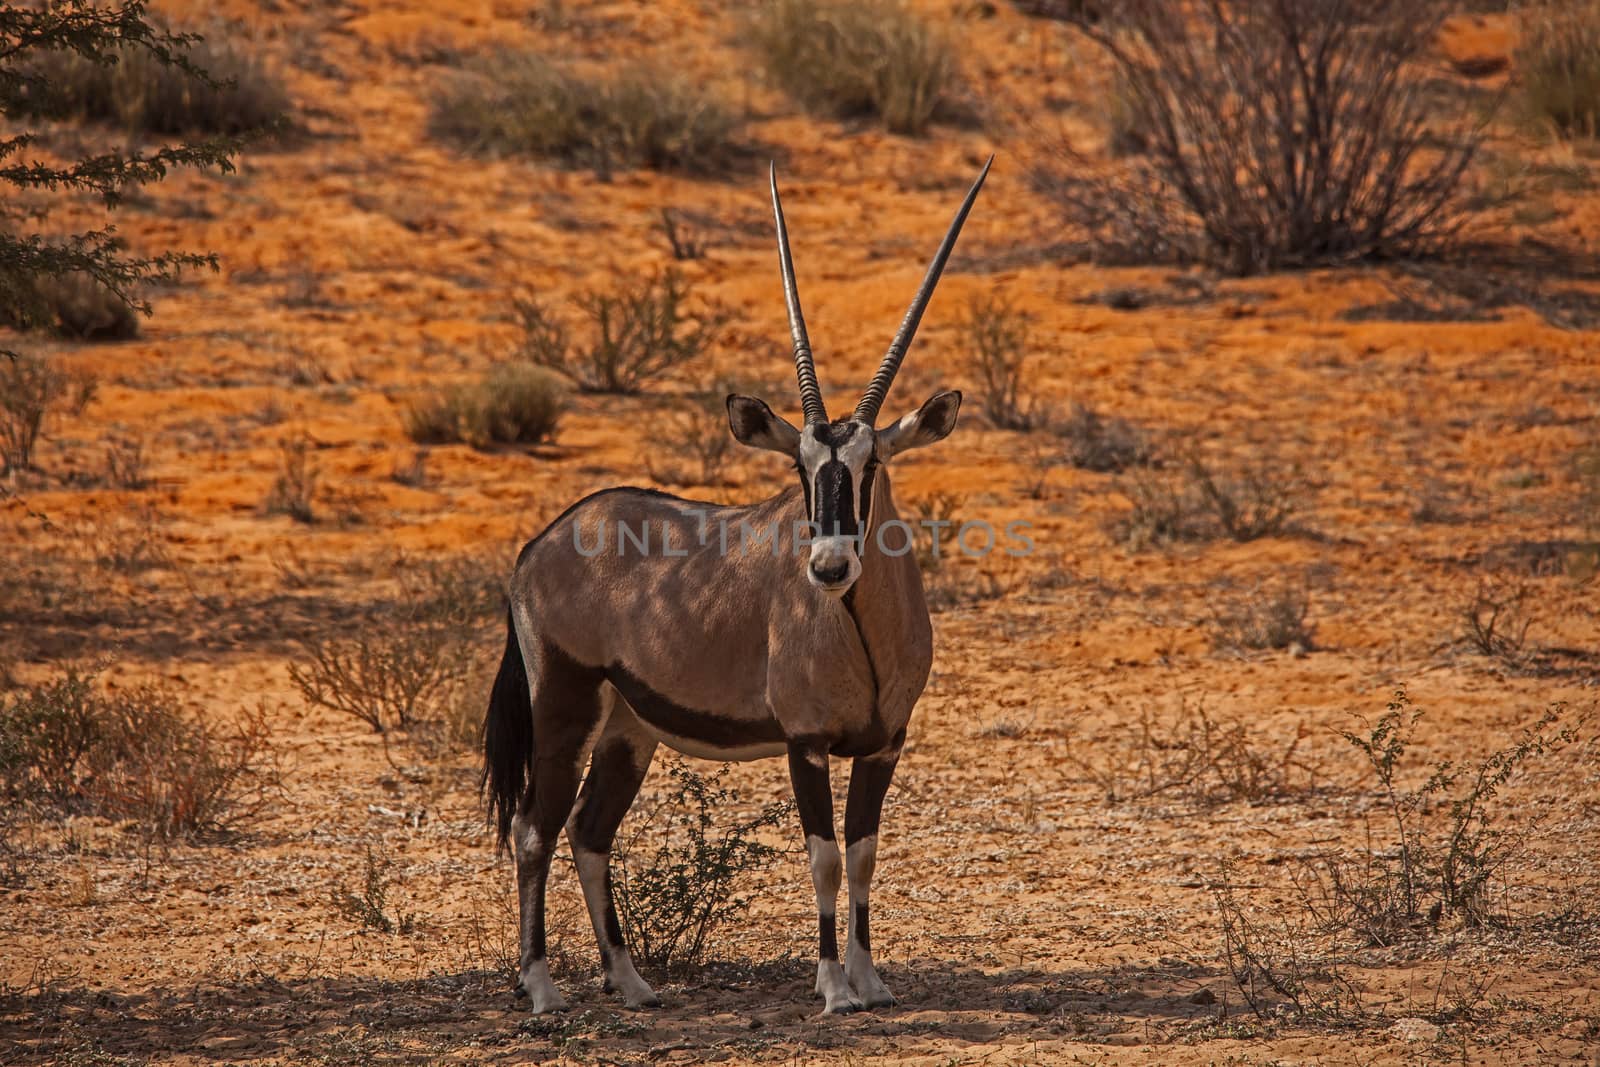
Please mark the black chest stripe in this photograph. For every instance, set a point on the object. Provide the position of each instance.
(689, 724)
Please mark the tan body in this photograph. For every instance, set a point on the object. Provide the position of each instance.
(739, 637)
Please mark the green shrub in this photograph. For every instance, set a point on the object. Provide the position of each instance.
(638, 330)
(858, 58)
(515, 403)
(680, 879)
(1558, 66)
(70, 747)
(144, 94)
(521, 103)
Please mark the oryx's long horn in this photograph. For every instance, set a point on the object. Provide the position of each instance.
(878, 388)
(805, 367)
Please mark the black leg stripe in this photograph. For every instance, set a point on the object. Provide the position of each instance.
(827, 936)
(863, 937)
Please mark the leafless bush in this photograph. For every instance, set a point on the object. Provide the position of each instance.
(1281, 134)
(1190, 755)
(402, 669)
(642, 115)
(684, 241)
(948, 581)
(126, 462)
(71, 747)
(995, 342)
(1197, 500)
(638, 331)
(1495, 621)
(294, 488)
(689, 443)
(31, 388)
(855, 58)
(78, 307)
(1274, 619)
(1105, 443)
(1558, 66)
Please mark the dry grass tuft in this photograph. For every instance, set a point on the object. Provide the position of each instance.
(1558, 66)
(523, 103)
(859, 58)
(515, 403)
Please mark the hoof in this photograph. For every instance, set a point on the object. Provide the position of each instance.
(519, 992)
(843, 1007)
(651, 1001)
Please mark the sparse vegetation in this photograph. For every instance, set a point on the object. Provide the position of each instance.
(679, 880)
(1194, 500)
(1191, 756)
(68, 747)
(127, 465)
(1279, 135)
(1495, 621)
(1266, 619)
(1558, 66)
(689, 443)
(400, 669)
(31, 388)
(77, 307)
(637, 331)
(639, 115)
(859, 58)
(294, 487)
(515, 403)
(368, 905)
(1104, 443)
(995, 343)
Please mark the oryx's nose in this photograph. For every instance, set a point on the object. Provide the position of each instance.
(832, 574)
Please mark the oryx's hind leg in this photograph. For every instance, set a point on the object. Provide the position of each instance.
(621, 758)
(869, 782)
(808, 772)
(567, 716)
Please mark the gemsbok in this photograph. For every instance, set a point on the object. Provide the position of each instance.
(795, 626)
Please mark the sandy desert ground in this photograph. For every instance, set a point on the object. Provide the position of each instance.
(1031, 905)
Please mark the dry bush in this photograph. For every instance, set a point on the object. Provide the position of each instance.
(1191, 756)
(1280, 134)
(689, 443)
(75, 306)
(995, 341)
(1441, 851)
(522, 103)
(67, 747)
(1264, 620)
(679, 878)
(515, 403)
(127, 465)
(1276, 957)
(686, 243)
(1195, 500)
(637, 331)
(1558, 66)
(1103, 443)
(294, 488)
(859, 58)
(1495, 622)
(233, 93)
(402, 669)
(31, 388)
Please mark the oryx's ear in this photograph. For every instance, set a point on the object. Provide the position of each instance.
(756, 425)
(932, 422)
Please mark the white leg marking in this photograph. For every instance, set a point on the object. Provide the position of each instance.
(826, 873)
(542, 993)
(861, 859)
(620, 972)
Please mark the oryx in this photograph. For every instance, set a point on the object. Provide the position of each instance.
(638, 618)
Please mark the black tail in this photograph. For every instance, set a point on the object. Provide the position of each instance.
(508, 737)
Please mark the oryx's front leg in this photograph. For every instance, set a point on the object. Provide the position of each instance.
(808, 771)
(869, 782)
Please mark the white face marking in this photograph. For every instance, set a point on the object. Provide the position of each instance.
(833, 474)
